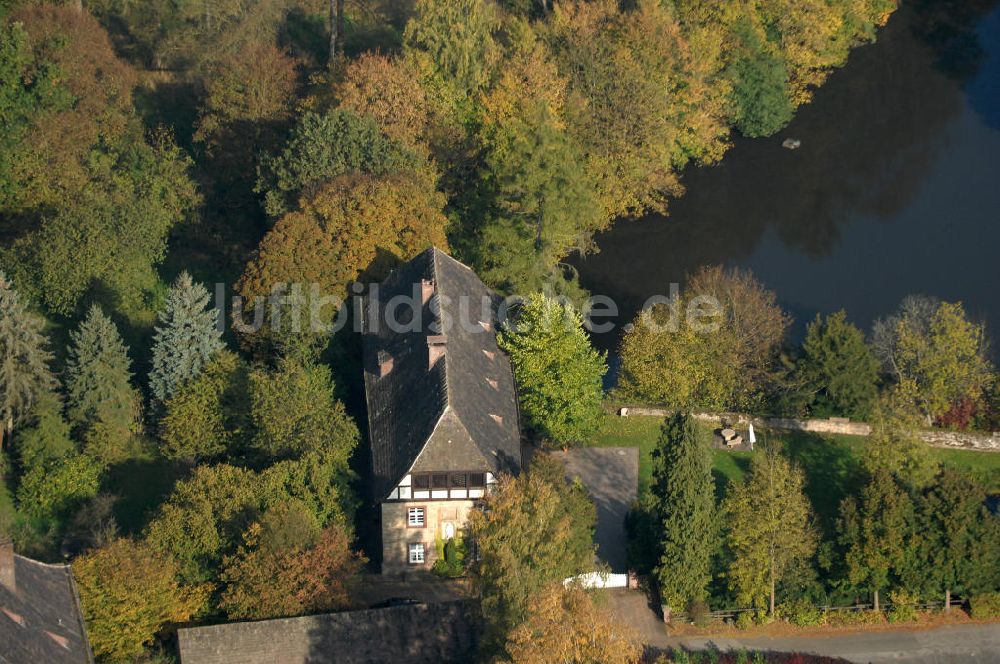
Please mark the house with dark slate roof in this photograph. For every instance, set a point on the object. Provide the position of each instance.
(40, 618)
(442, 408)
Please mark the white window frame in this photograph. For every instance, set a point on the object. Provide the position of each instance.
(412, 512)
(416, 554)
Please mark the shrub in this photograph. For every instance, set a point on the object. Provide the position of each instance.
(802, 613)
(698, 613)
(744, 620)
(451, 558)
(863, 617)
(903, 607)
(984, 606)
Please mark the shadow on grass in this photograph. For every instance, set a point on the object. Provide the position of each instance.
(142, 485)
(833, 471)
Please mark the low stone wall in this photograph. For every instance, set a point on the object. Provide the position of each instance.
(965, 440)
(416, 634)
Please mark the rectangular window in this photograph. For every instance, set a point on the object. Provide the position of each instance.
(421, 481)
(477, 479)
(440, 480)
(458, 481)
(416, 554)
(415, 517)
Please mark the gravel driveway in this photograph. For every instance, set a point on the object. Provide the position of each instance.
(611, 475)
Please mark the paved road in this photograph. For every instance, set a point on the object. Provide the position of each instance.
(941, 645)
(611, 475)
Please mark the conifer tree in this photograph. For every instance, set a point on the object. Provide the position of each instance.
(24, 370)
(684, 501)
(185, 338)
(98, 375)
(877, 533)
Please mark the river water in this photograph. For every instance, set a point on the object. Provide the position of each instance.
(894, 190)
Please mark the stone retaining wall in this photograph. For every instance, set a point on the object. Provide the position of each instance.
(966, 440)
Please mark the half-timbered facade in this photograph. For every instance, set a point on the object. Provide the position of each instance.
(442, 409)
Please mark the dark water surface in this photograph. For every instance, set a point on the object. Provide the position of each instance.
(895, 189)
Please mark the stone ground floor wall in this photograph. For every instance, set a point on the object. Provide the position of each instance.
(442, 517)
(968, 440)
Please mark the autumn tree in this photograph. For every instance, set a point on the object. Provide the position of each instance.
(714, 347)
(769, 527)
(99, 196)
(249, 99)
(683, 500)
(102, 403)
(207, 416)
(839, 367)
(128, 594)
(534, 530)
(185, 338)
(558, 372)
(322, 147)
(24, 359)
(565, 626)
(934, 346)
(53, 488)
(281, 574)
(877, 531)
(388, 89)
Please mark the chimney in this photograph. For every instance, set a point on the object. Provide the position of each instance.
(436, 344)
(426, 290)
(7, 579)
(384, 363)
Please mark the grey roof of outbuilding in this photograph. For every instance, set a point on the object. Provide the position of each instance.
(473, 379)
(41, 621)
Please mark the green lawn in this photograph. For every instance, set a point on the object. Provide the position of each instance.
(832, 463)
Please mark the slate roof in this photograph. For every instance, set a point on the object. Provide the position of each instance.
(41, 621)
(473, 380)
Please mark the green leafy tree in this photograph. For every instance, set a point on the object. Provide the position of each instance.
(128, 594)
(294, 411)
(185, 338)
(323, 146)
(894, 444)
(877, 533)
(839, 367)
(208, 415)
(769, 527)
(535, 530)
(458, 36)
(959, 539)
(46, 438)
(761, 94)
(102, 402)
(51, 490)
(558, 372)
(24, 371)
(683, 494)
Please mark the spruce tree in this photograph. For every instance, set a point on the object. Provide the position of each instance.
(684, 502)
(185, 338)
(102, 403)
(24, 370)
(840, 368)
